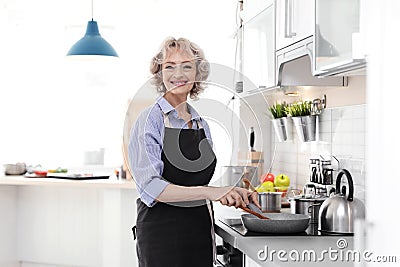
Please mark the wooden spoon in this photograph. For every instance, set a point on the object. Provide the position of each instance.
(254, 213)
(248, 183)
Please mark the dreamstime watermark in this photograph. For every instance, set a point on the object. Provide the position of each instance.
(340, 253)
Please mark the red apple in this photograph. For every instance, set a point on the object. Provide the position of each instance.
(267, 177)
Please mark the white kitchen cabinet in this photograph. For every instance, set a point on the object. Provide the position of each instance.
(295, 20)
(51, 222)
(252, 8)
(338, 39)
(259, 51)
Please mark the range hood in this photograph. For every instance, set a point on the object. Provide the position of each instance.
(294, 67)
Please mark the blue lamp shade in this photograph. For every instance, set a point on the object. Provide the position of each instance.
(92, 43)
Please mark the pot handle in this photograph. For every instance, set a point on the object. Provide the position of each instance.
(312, 206)
(349, 180)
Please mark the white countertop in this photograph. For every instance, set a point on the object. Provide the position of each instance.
(251, 245)
(98, 183)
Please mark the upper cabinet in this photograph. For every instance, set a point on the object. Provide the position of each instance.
(259, 50)
(252, 8)
(294, 21)
(297, 42)
(338, 39)
(258, 45)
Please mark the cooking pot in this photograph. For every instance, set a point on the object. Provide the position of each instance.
(308, 206)
(338, 213)
(270, 201)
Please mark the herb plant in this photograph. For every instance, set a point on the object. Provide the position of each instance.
(299, 109)
(278, 110)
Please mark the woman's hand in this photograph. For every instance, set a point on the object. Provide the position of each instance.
(237, 197)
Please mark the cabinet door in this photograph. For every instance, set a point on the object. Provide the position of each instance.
(295, 20)
(252, 8)
(259, 51)
(338, 37)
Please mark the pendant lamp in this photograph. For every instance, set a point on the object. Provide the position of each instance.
(92, 43)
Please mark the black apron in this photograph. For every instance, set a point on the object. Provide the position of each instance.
(179, 234)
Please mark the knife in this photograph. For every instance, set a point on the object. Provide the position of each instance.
(252, 139)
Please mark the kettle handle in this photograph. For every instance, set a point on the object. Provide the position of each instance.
(349, 180)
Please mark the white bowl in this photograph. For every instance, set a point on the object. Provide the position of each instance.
(15, 169)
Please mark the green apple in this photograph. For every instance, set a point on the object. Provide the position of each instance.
(267, 186)
(282, 180)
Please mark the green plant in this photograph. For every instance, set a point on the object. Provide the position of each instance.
(302, 108)
(278, 110)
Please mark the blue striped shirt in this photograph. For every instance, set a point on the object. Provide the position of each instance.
(145, 146)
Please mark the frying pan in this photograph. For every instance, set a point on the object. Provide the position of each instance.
(278, 223)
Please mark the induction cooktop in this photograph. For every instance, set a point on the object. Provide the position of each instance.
(237, 225)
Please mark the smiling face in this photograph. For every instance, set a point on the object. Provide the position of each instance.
(178, 72)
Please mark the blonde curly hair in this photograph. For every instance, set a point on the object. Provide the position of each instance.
(182, 44)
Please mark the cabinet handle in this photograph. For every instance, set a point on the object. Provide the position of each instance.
(290, 21)
(287, 19)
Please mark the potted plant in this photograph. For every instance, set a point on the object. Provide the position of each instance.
(304, 120)
(280, 121)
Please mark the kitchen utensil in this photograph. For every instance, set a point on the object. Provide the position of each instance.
(313, 211)
(254, 208)
(277, 223)
(270, 201)
(302, 205)
(321, 191)
(309, 190)
(15, 169)
(258, 215)
(249, 185)
(338, 213)
(327, 175)
(252, 139)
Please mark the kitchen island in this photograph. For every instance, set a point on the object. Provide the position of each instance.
(60, 222)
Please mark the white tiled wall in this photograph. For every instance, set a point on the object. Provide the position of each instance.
(341, 134)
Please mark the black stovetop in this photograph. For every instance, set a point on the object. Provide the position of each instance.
(236, 225)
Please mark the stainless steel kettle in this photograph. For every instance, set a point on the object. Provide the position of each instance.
(338, 213)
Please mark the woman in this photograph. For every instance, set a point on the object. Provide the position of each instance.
(172, 161)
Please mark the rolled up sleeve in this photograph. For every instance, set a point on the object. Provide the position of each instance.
(144, 153)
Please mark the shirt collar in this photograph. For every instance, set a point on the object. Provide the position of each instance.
(166, 107)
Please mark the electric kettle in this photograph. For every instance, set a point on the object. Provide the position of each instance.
(338, 213)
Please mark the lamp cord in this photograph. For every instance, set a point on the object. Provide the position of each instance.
(92, 10)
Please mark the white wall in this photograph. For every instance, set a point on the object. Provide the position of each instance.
(383, 144)
(56, 107)
(341, 133)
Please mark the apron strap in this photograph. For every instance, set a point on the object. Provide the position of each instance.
(212, 232)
